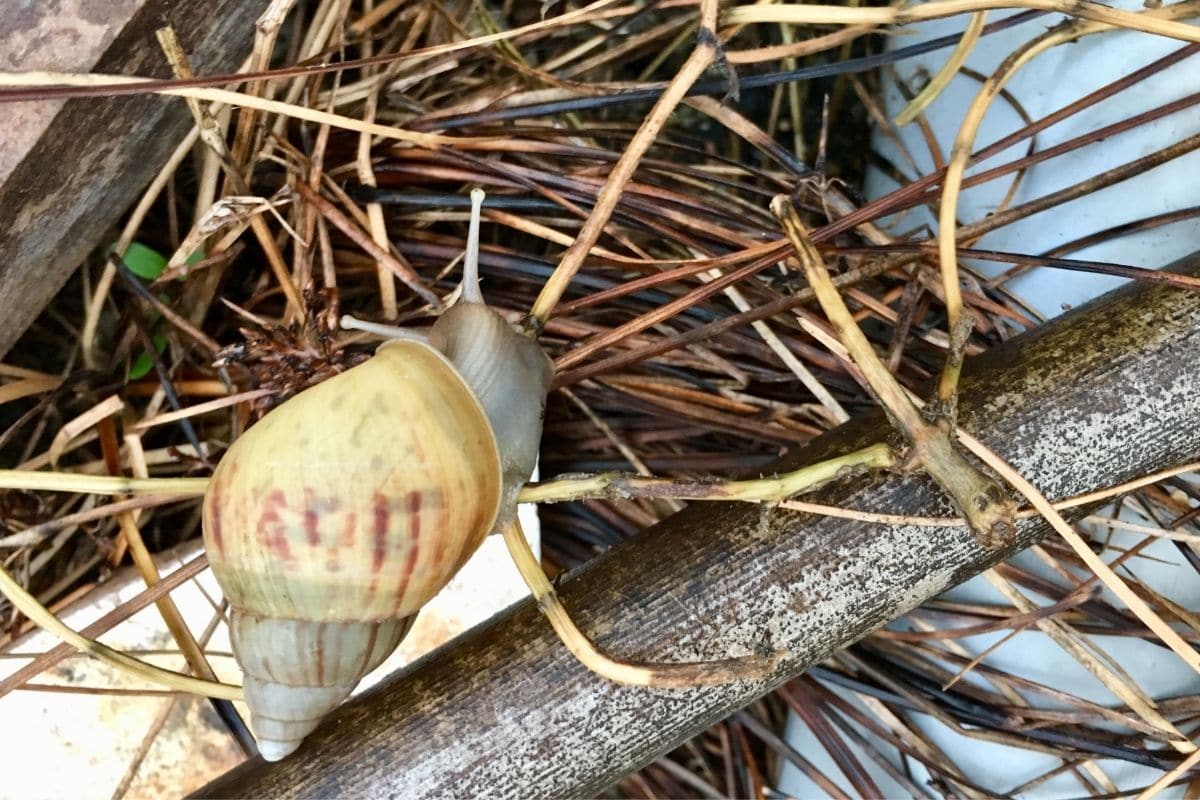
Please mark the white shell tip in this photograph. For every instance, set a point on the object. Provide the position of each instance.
(276, 751)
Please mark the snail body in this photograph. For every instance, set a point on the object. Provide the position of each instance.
(336, 517)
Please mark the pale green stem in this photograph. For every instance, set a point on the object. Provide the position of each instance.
(99, 484)
(779, 487)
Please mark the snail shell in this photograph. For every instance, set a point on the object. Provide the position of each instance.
(336, 517)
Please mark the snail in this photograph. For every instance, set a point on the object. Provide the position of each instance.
(336, 517)
(331, 521)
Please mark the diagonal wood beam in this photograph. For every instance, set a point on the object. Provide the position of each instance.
(1103, 394)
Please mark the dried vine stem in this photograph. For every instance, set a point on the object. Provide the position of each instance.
(960, 155)
(266, 29)
(169, 490)
(144, 562)
(799, 13)
(614, 485)
(674, 675)
(1171, 776)
(100, 484)
(377, 251)
(1067, 640)
(237, 99)
(979, 499)
(143, 599)
(28, 605)
(92, 85)
(702, 57)
(213, 137)
(946, 74)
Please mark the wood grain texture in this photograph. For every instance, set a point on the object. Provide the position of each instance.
(1103, 394)
(76, 173)
(65, 35)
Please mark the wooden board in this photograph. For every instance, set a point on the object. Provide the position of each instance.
(68, 171)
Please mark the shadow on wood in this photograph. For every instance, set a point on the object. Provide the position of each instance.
(1103, 394)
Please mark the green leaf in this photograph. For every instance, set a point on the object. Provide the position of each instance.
(145, 362)
(145, 262)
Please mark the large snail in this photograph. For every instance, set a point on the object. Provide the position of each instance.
(343, 511)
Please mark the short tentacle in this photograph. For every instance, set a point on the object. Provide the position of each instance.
(350, 323)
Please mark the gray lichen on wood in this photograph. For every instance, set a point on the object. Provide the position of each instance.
(1101, 395)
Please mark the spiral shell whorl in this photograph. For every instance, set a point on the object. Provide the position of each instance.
(297, 671)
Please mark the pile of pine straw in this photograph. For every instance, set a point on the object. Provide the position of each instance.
(683, 346)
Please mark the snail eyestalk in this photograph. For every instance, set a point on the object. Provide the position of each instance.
(681, 675)
(350, 323)
(470, 281)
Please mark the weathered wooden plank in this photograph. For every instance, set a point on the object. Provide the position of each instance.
(69, 170)
(1103, 394)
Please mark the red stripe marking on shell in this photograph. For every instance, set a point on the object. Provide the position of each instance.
(311, 518)
(382, 517)
(270, 523)
(214, 519)
(310, 527)
(442, 540)
(414, 541)
(368, 648)
(321, 654)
